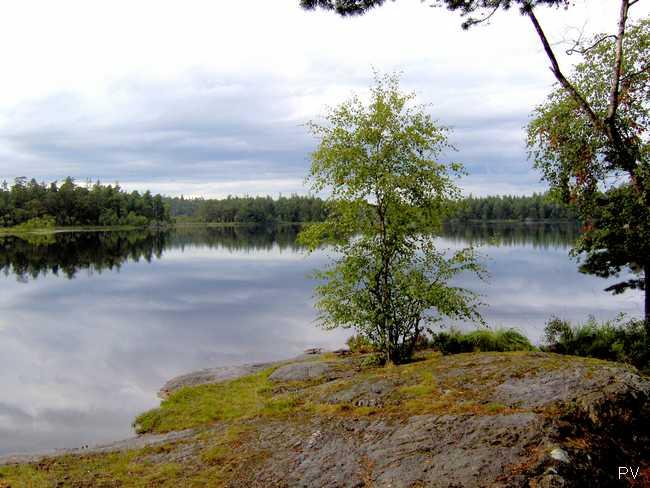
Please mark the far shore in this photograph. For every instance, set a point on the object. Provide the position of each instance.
(11, 231)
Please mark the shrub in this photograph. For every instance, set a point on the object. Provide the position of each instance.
(132, 219)
(360, 344)
(46, 222)
(617, 340)
(455, 341)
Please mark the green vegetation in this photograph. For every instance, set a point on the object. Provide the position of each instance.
(266, 210)
(258, 210)
(232, 400)
(359, 344)
(46, 223)
(217, 456)
(485, 340)
(618, 340)
(535, 207)
(389, 195)
(590, 138)
(590, 142)
(27, 203)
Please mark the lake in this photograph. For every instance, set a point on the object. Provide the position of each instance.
(92, 324)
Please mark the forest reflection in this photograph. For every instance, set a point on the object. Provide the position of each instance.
(67, 253)
(539, 235)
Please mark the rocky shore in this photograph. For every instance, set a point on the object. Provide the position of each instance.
(482, 419)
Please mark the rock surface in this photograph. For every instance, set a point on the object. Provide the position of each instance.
(469, 420)
(307, 370)
(225, 373)
(211, 375)
(491, 420)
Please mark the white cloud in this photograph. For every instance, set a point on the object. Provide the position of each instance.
(211, 95)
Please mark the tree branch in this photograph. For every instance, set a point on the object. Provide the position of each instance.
(471, 21)
(555, 68)
(575, 49)
(618, 61)
(628, 78)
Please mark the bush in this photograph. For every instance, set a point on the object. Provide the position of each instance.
(455, 341)
(360, 344)
(132, 219)
(46, 222)
(617, 340)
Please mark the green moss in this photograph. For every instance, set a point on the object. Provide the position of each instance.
(200, 405)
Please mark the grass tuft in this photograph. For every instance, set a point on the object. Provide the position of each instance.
(488, 340)
(615, 340)
(200, 405)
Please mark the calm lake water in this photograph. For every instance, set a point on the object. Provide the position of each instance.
(93, 324)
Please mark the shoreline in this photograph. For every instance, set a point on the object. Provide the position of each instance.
(193, 378)
(116, 228)
(469, 419)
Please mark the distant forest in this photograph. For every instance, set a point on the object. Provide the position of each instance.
(71, 204)
(247, 209)
(536, 207)
(312, 209)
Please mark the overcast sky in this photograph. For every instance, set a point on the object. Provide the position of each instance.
(210, 97)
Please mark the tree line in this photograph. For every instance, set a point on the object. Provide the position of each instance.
(71, 204)
(508, 207)
(313, 209)
(248, 209)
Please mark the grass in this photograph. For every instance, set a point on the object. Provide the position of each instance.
(209, 459)
(200, 405)
(484, 340)
(616, 340)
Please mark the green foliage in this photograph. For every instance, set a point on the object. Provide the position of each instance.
(499, 340)
(199, 405)
(259, 210)
(71, 204)
(618, 340)
(264, 210)
(388, 197)
(360, 344)
(508, 207)
(46, 222)
(607, 182)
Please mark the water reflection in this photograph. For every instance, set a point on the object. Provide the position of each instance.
(539, 235)
(67, 253)
(79, 358)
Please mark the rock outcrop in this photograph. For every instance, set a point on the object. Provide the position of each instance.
(470, 420)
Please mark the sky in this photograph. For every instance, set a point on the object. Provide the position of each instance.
(210, 98)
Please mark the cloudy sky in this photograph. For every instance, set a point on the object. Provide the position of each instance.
(210, 97)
